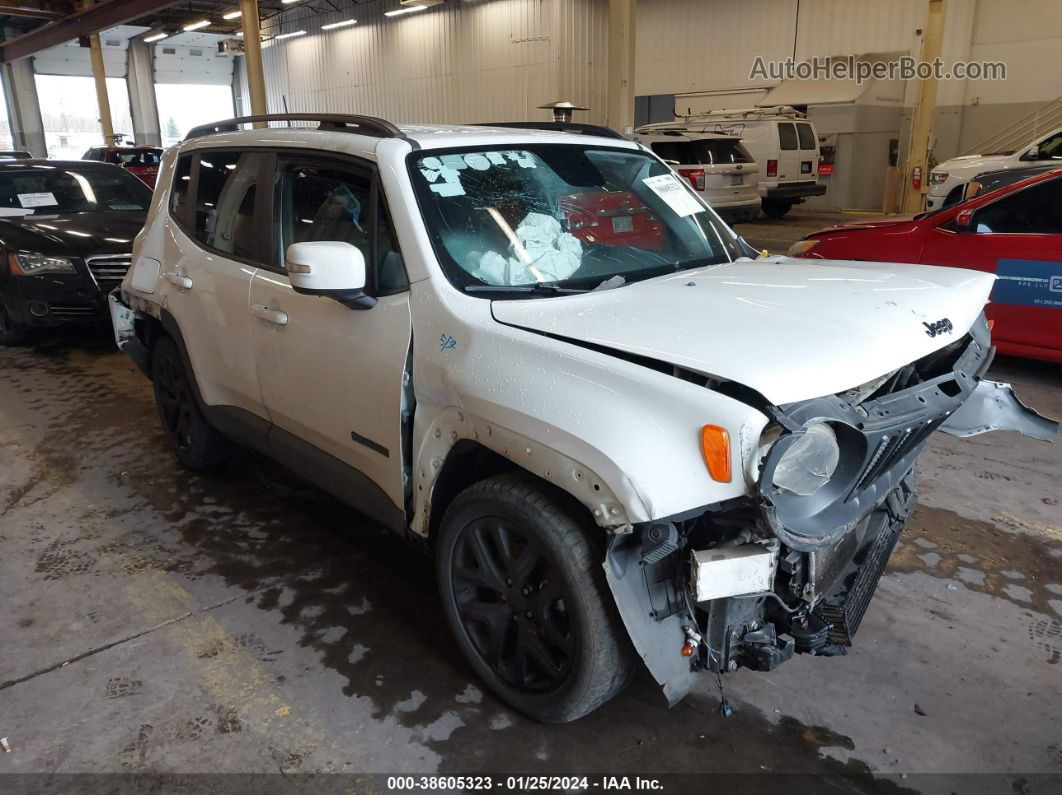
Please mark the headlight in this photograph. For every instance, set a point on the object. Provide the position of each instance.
(810, 461)
(30, 264)
(802, 247)
(937, 177)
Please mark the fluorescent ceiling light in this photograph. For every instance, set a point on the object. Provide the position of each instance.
(342, 24)
(196, 25)
(155, 37)
(407, 10)
(288, 2)
(231, 14)
(289, 35)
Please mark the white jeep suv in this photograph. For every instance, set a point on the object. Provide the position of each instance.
(542, 356)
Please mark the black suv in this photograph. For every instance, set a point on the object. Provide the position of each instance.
(66, 234)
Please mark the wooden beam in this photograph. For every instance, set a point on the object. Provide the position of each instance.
(82, 23)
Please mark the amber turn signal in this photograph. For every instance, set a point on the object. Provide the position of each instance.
(715, 445)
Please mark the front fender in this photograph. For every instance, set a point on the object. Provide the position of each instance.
(603, 488)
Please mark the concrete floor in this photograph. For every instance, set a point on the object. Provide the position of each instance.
(155, 620)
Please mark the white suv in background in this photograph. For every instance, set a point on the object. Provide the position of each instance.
(544, 358)
(717, 166)
(783, 142)
(947, 180)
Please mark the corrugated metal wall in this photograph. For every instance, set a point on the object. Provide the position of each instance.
(707, 45)
(458, 62)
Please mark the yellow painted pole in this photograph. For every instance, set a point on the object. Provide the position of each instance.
(252, 51)
(922, 121)
(99, 74)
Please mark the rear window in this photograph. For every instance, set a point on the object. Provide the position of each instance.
(709, 152)
(143, 157)
(787, 137)
(807, 136)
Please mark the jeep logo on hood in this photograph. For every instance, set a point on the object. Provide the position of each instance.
(942, 326)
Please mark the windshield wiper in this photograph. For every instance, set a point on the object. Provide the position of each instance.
(539, 288)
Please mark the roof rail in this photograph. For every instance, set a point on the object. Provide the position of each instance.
(575, 127)
(362, 125)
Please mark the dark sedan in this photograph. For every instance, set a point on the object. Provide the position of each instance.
(66, 234)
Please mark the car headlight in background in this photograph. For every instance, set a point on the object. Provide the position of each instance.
(937, 177)
(31, 264)
(810, 461)
(801, 247)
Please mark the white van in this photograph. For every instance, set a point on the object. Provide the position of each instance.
(782, 141)
(717, 166)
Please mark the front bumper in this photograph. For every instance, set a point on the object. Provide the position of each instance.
(50, 301)
(823, 554)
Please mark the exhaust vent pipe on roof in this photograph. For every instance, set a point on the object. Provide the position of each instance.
(562, 111)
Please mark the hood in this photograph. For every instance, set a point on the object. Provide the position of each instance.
(975, 163)
(73, 234)
(876, 223)
(791, 329)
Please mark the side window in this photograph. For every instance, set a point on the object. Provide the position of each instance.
(806, 135)
(1033, 211)
(182, 177)
(787, 138)
(224, 201)
(1051, 148)
(326, 202)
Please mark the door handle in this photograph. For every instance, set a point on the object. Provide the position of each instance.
(178, 280)
(272, 315)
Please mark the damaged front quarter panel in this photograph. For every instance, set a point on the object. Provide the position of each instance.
(993, 406)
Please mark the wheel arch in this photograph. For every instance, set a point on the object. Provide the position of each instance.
(457, 450)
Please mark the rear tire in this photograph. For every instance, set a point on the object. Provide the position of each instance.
(525, 595)
(774, 208)
(197, 444)
(10, 334)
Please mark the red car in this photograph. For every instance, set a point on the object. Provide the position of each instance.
(1014, 232)
(140, 161)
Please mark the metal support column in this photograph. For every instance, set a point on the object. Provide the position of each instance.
(922, 121)
(252, 49)
(23, 107)
(140, 76)
(621, 26)
(99, 73)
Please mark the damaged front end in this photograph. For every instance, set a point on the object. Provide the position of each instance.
(793, 568)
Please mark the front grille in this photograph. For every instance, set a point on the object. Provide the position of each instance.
(891, 447)
(108, 270)
(72, 310)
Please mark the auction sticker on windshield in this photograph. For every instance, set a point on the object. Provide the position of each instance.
(46, 199)
(668, 188)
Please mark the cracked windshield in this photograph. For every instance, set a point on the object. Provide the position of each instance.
(558, 218)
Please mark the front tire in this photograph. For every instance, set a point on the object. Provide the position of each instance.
(197, 444)
(525, 595)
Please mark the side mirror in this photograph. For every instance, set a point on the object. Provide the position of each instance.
(331, 268)
(963, 219)
(1033, 153)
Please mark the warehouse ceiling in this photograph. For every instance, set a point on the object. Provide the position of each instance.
(18, 17)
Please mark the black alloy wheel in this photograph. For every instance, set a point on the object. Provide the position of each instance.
(512, 605)
(198, 445)
(519, 566)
